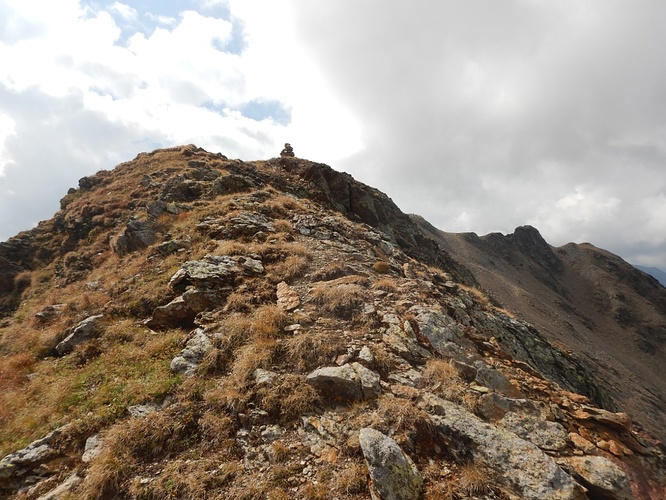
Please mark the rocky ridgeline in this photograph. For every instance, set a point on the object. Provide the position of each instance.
(328, 351)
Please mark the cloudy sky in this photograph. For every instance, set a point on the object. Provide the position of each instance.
(479, 115)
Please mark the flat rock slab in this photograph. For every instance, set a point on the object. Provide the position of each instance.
(523, 467)
(393, 474)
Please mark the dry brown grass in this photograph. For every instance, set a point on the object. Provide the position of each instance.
(292, 267)
(352, 480)
(381, 267)
(386, 284)
(248, 358)
(341, 299)
(472, 480)
(288, 398)
(440, 377)
(309, 350)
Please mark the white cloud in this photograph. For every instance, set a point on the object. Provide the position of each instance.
(6, 130)
(129, 13)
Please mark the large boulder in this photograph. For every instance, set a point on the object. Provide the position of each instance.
(601, 477)
(350, 382)
(137, 236)
(393, 474)
(523, 467)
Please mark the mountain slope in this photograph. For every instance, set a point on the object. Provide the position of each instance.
(587, 300)
(189, 326)
(656, 273)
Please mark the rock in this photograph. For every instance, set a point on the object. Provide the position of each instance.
(252, 266)
(264, 377)
(366, 355)
(64, 489)
(620, 421)
(521, 465)
(22, 461)
(85, 330)
(393, 474)
(287, 298)
(228, 184)
(350, 382)
(49, 312)
(175, 313)
(137, 236)
(581, 443)
(190, 357)
(466, 372)
(213, 272)
(173, 246)
(92, 448)
(546, 435)
(496, 380)
(404, 343)
(141, 411)
(439, 329)
(601, 477)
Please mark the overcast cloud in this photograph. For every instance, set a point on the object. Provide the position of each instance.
(479, 115)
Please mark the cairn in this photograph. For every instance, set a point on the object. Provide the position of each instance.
(288, 151)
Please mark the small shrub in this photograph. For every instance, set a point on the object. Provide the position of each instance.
(306, 351)
(441, 377)
(341, 300)
(352, 481)
(385, 284)
(472, 480)
(381, 267)
(289, 398)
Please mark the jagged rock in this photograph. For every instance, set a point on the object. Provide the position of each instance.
(393, 474)
(601, 477)
(173, 246)
(50, 312)
(251, 266)
(466, 372)
(546, 435)
(581, 443)
(20, 462)
(404, 343)
(494, 379)
(137, 236)
(439, 328)
(213, 272)
(175, 313)
(365, 354)
(350, 382)
(245, 224)
(521, 464)
(85, 330)
(190, 357)
(287, 297)
(620, 421)
(230, 184)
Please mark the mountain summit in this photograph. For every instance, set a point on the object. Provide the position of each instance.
(192, 326)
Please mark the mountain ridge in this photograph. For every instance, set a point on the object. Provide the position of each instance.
(190, 326)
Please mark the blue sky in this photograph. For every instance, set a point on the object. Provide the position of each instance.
(479, 115)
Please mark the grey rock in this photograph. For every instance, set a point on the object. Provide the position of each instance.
(546, 435)
(439, 328)
(490, 377)
(252, 266)
(350, 382)
(63, 489)
(137, 236)
(92, 448)
(85, 330)
(366, 354)
(190, 357)
(393, 474)
(211, 272)
(264, 377)
(522, 466)
(601, 477)
(22, 461)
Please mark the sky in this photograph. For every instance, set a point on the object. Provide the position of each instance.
(478, 115)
